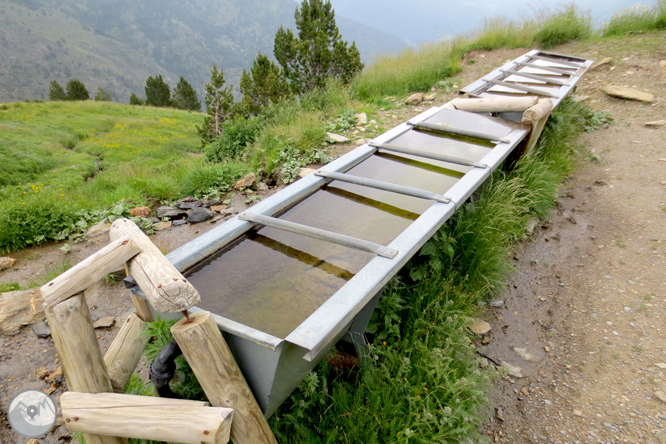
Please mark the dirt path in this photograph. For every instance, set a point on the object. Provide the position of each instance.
(586, 303)
(584, 314)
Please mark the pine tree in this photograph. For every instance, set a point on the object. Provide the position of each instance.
(76, 90)
(157, 92)
(262, 85)
(318, 52)
(219, 103)
(135, 100)
(56, 92)
(102, 96)
(184, 96)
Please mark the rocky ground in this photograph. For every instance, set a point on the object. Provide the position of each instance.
(582, 321)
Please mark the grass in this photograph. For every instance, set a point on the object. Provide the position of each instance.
(638, 18)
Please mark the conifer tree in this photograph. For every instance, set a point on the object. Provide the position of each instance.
(157, 92)
(219, 104)
(318, 52)
(262, 85)
(184, 96)
(102, 96)
(76, 90)
(135, 100)
(56, 92)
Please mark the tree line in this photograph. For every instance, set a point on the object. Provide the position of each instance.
(76, 90)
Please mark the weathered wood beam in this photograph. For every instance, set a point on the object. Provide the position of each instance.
(536, 116)
(493, 104)
(214, 366)
(125, 352)
(165, 288)
(82, 364)
(90, 270)
(146, 417)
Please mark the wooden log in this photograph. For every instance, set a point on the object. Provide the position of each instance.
(19, 308)
(125, 352)
(536, 116)
(146, 417)
(90, 270)
(493, 104)
(215, 367)
(165, 288)
(82, 364)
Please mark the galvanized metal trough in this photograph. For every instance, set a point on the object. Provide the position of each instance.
(292, 275)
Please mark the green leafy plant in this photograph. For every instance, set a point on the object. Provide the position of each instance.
(343, 121)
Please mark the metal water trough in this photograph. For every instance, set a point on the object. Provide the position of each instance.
(292, 275)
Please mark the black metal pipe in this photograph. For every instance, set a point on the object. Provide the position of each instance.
(163, 369)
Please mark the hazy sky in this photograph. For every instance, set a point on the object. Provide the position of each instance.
(418, 21)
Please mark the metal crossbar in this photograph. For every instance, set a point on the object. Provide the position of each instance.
(427, 154)
(317, 233)
(386, 186)
(519, 87)
(552, 60)
(533, 77)
(442, 128)
(545, 68)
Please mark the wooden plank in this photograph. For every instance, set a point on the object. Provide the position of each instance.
(125, 352)
(165, 288)
(142, 309)
(493, 104)
(82, 364)
(536, 116)
(214, 366)
(90, 270)
(18, 308)
(145, 417)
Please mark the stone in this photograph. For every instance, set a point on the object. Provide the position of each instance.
(577, 413)
(170, 212)
(362, 119)
(189, 199)
(105, 322)
(662, 65)
(228, 212)
(656, 123)
(660, 395)
(601, 63)
(199, 214)
(305, 172)
(179, 222)
(429, 98)
(6, 262)
(627, 93)
(154, 220)
(41, 329)
(480, 327)
(188, 205)
(414, 99)
(514, 370)
(661, 365)
(523, 353)
(218, 208)
(359, 142)
(496, 302)
(245, 182)
(141, 212)
(96, 230)
(262, 186)
(161, 226)
(337, 138)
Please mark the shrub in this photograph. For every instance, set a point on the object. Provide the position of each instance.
(236, 136)
(637, 18)
(204, 177)
(570, 24)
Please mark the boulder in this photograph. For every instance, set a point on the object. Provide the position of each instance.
(6, 262)
(199, 214)
(141, 212)
(627, 93)
(414, 99)
(337, 138)
(245, 182)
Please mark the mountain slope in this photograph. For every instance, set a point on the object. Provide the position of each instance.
(117, 44)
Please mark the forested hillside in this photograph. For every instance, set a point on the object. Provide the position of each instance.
(117, 44)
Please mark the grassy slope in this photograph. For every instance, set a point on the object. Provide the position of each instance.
(60, 157)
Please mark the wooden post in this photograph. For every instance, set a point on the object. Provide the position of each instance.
(144, 417)
(492, 104)
(82, 364)
(125, 352)
(166, 289)
(90, 270)
(536, 116)
(213, 364)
